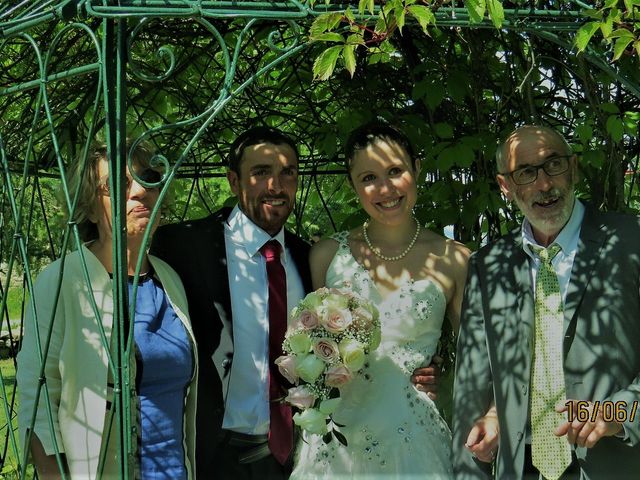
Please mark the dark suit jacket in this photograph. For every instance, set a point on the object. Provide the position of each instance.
(196, 250)
(601, 344)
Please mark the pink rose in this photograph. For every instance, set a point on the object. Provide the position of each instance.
(308, 319)
(337, 376)
(300, 397)
(326, 350)
(287, 367)
(336, 320)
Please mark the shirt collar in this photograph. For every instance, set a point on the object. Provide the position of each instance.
(568, 236)
(242, 231)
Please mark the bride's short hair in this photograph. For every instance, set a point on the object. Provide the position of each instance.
(372, 132)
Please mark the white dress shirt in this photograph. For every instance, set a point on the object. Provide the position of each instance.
(247, 402)
(567, 239)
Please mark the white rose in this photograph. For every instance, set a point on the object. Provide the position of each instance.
(311, 420)
(309, 368)
(352, 353)
(329, 406)
(299, 343)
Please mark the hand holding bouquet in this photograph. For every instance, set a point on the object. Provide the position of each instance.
(330, 332)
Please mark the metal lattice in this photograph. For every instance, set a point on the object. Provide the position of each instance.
(188, 76)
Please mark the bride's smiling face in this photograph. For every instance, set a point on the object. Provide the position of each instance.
(384, 178)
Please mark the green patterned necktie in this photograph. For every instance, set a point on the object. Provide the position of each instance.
(550, 454)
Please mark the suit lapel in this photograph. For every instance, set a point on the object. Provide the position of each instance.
(219, 275)
(300, 254)
(511, 300)
(591, 240)
(508, 281)
(221, 298)
(524, 292)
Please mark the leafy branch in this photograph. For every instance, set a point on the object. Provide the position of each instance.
(364, 29)
(617, 21)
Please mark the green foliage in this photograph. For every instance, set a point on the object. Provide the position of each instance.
(496, 12)
(9, 470)
(476, 9)
(454, 91)
(391, 16)
(423, 15)
(617, 23)
(326, 62)
(14, 303)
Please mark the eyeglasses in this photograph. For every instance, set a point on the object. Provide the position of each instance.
(553, 166)
(147, 175)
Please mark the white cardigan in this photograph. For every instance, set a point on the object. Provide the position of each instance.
(77, 366)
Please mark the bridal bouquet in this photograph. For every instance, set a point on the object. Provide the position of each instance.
(330, 332)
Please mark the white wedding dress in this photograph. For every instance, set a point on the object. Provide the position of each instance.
(393, 430)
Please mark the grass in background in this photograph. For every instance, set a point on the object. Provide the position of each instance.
(14, 304)
(9, 465)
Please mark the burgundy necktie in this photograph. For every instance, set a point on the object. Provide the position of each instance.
(281, 423)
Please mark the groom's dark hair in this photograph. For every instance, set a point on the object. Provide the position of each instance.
(372, 132)
(255, 136)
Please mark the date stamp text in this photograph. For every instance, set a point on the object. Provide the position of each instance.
(611, 411)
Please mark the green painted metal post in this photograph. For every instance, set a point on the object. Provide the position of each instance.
(115, 54)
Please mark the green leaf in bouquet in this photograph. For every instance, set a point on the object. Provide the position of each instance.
(340, 437)
(327, 437)
(336, 423)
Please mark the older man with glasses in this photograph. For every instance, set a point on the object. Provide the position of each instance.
(550, 328)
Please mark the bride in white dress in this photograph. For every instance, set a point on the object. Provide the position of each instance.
(416, 279)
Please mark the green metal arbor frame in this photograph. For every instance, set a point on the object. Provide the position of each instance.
(109, 32)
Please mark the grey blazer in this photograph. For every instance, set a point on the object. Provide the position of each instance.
(601, 344)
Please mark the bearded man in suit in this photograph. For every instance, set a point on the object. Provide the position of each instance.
(565, 391)
(225, 276)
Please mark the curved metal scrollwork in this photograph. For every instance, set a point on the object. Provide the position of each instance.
(227, 90)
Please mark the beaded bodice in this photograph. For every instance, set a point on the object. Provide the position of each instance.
(411, 317)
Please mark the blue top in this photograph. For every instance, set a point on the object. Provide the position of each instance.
(164, 369)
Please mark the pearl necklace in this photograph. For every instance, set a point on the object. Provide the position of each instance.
(394, 258)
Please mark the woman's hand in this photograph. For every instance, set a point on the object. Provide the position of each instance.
(482, 441)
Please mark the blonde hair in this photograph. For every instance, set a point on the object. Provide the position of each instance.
(87, 183)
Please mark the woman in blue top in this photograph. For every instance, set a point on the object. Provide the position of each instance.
(79, 381)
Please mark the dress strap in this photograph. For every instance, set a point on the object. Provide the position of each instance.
(342, 238)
